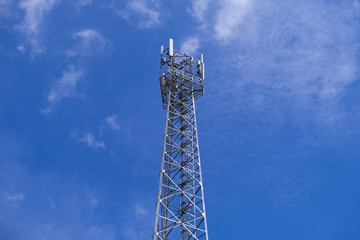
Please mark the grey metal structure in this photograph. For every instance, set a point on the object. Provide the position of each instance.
(180, 208)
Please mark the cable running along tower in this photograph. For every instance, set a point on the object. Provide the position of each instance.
(180, 208)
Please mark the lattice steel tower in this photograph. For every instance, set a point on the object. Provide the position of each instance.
(180, 208)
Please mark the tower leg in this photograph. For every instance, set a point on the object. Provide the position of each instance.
(180, 211)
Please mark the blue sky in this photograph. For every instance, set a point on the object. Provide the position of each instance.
(81, 119)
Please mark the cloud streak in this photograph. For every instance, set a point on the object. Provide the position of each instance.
(140, 11)
(65, 204)
(89, 139)
(140, 211)
(35, 11)
(304, 53)
(90, 43)
(198, 8)
(229, 17)
(190, 46)
(285, 65)
(13, 198)
(5, 8)
(94, 140)
(140, 223)
(63, 88)
(112, 122)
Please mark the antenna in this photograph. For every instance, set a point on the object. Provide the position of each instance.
(203, 71)
(171, 47)
(201, 66)
(162, 59)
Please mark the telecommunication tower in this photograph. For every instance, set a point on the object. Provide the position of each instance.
(180, 208)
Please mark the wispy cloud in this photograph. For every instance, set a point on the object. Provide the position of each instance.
(229, 17)
(16, 198)
(21, 49)
(198, 8)
(140, 224)
(35, 11)
(95, 140)
(94, 202)
(63, 201)
(145, 13)
(65, 87)
(190, 45)
(140, 211)
(88, 138)
(112, 122)
(84, 2)
(90, 43)
(5, 8)
(291, 51)
(13, 200)
(287, 64)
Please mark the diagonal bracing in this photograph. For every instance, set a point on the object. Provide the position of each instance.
(180, 208)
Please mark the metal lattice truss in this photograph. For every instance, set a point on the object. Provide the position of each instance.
(180, 212)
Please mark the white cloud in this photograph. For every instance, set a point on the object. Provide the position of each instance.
(190, 46)
(229, 17)
(89, 139)
(21, 49)
(111, 121)
(14, 198)
(140, 222)
(90, 42)
(84, 2)
(198, 8)
(304, 53)
(35, 10)
(94, 202)
(4, 8)
(60, 197)
(140, 211)
(65, 87)
(146, 16)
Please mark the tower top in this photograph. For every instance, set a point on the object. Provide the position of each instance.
(178, 73)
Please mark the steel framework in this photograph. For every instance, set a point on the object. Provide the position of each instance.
(180, 208)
